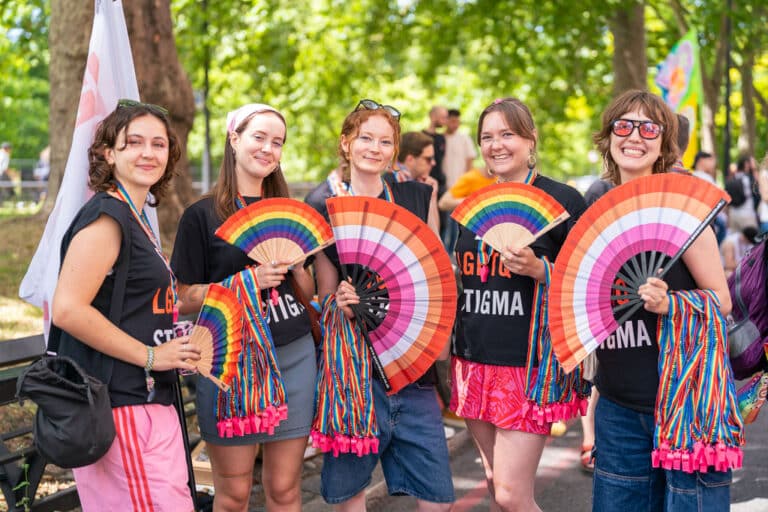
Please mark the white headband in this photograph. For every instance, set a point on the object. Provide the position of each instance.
(236, 117)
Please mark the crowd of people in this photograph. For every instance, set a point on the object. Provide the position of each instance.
(429, 173)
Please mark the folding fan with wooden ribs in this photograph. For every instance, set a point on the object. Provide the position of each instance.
(218, 333)
(277, 229)
(405, 282)
(635, 231)
(509, 214)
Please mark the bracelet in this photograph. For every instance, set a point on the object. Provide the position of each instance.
(150, 359)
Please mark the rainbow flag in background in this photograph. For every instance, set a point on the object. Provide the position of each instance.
(679, 78)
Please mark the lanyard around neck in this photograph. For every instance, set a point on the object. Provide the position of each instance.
(143, 220)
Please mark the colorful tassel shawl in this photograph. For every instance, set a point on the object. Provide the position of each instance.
(256, 401)
(345, 419)
(553, 395)
(698, 425)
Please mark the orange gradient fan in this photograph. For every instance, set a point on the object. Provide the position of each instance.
(635, 231)
(405, 282)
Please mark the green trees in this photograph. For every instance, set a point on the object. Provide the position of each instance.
(315, 60)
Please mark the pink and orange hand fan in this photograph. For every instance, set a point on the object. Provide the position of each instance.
(635, 231)
(405, 282)
(218, 334)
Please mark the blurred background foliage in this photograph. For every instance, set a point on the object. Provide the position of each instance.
(315, 59)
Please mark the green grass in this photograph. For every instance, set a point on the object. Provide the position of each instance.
(20, 233)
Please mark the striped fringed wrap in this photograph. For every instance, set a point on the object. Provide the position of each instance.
(345, 419)
(256, 402)
(553, 395)
(698, 425)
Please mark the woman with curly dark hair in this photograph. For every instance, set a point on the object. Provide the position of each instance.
(111, 255)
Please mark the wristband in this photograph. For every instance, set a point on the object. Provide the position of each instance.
(150, 359)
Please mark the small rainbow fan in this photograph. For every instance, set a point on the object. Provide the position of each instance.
(218, 333)
(277, 229)
(509, 214)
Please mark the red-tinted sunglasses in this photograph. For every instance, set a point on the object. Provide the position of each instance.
(647, 129)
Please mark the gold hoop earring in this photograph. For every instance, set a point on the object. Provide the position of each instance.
(531, 159)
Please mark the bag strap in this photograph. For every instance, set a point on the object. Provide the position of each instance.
(739, 299)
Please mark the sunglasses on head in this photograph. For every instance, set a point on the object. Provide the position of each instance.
(647, 129)
(124, 102)
(372, 105)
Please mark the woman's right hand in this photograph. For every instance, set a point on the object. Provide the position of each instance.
(270, 275)
(176, 353)
(346, 295)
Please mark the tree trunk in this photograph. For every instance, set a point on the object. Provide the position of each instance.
(68, 38)
(711, 82)
(748, 134)
(160, 77)
(630, 62)
(163, 81)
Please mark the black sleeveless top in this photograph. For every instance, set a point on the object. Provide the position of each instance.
(147, 312)
(627, 372)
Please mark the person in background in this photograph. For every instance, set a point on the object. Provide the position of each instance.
(683, 137)
(468, 183)
(638, 137)
(250, 172)
(412, 450)
(736, 246)
(742, 187)
(762, 210)
(459, 154)
(705, 167)
(134, 152)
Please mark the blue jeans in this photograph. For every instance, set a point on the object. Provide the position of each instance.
(412, 450)
(624, 479)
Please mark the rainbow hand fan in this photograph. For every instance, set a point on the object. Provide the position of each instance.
(509, 214)
(218, 335)
(635, 231)
(277, 229)
(405, 282)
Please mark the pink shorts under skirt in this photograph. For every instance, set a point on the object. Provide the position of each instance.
(144, 470)
(490, 393)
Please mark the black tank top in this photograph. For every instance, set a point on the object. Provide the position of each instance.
(147, 312)
(627, 372)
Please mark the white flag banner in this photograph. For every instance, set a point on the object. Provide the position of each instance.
(109, 76)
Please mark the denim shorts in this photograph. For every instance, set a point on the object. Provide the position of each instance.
(625, 480)
(412, 450)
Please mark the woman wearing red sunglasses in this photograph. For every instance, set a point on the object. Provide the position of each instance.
(638, 138)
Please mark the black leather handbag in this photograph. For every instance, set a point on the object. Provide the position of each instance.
(74, 425)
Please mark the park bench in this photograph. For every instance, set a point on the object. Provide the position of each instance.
(15, 356)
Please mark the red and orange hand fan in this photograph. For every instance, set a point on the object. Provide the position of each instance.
(635, 231)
